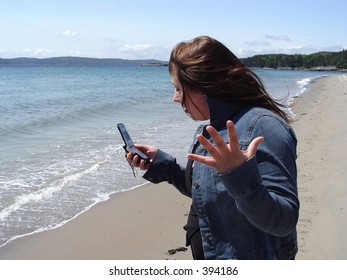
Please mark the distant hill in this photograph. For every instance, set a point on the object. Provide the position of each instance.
(316, 61)
(67, 60)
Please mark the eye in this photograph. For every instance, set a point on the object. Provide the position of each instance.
(177, 89)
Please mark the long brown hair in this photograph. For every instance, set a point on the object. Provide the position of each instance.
(206, 66)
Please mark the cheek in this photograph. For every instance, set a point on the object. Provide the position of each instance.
(198, 107)
(203, 106)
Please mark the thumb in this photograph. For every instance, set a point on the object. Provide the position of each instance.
(252, 149)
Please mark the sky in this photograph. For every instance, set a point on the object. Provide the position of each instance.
(148, 29)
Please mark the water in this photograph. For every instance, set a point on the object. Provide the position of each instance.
(60, 150)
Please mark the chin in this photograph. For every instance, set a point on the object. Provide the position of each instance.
(199, 119)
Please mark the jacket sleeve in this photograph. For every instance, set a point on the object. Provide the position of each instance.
(265, 187)
(165, 168)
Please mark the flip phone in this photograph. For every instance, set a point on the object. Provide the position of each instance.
(129, 144)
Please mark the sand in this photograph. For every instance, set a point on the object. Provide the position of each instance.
(322, 131)
(147, 222)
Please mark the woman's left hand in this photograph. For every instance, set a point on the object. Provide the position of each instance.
(225, 157)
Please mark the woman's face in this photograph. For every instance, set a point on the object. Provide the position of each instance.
(195, 103)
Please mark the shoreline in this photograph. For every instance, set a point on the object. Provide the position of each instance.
(322, 225)
(147, 221)
(119, 228)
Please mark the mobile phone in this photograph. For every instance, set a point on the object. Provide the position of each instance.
(129, 144)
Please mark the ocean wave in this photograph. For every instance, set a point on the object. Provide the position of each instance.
(47, 192)
(305, 83)
(97, 199)
(29, 124)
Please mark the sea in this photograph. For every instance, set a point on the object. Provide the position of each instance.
(60, 150)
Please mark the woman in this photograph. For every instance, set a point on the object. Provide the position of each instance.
(241, 172)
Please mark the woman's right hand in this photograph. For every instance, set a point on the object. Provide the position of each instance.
(150, 151)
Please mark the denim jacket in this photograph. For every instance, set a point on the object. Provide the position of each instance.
(252, 211)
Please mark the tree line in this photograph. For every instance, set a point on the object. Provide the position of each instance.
(324, 60)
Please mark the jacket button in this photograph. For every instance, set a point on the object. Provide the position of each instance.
(207, 237)
(196, 185)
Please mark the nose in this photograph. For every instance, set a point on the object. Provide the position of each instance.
(176, 97)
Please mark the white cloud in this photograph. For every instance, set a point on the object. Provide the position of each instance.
(25, 52)
(299, 50)
(136, 48)
(278, 37)
(15, 53)
(243, 53)
(70, 35)
(42, 52)
(142, 51)
(83, 54)
(334, 48)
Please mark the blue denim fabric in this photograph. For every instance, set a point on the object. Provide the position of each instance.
(250, 212)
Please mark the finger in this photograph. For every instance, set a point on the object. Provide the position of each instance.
(149, 150)
(135, 161)
(218, 139)
(203, 141)
(202, 159)
(143, 165)
(212, 150)
(129, 157)
(233, 137)
(252, 149)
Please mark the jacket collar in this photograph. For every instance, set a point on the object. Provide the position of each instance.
(221, 111)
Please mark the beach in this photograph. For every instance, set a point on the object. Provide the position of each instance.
(321, 130)
(147, 222)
